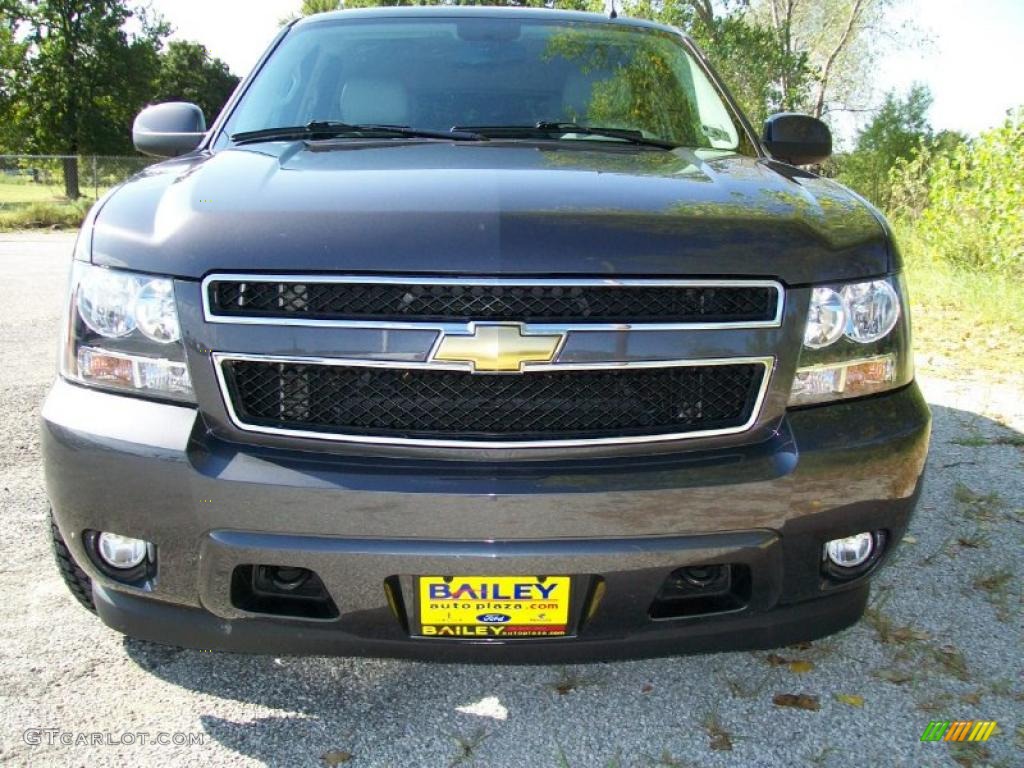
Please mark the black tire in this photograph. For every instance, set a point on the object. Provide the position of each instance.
(77, 580)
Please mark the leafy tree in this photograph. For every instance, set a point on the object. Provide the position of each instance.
(12, 56)
(896, 133)
(764, 75)
(961, 200)
(189, 73)
(309, 7)
(83, 79)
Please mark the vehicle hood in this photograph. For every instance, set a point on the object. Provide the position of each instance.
(495, 208)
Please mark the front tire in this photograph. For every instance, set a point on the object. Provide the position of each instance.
(75, 578)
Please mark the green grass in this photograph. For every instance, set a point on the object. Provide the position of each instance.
(28, 205)
(66, 215)
(964, 319)
(21, 192)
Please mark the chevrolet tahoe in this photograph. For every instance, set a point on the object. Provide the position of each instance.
(481, 334)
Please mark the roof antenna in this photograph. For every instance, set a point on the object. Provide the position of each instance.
(612, 13)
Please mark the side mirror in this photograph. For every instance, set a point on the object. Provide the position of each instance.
(169, 130)
(797, 139)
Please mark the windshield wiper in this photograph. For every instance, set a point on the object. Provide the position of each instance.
(326, 129)
(551, 128)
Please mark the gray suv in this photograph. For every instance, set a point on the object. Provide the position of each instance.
(481, 334)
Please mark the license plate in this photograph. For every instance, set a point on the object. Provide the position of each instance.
(493, 606)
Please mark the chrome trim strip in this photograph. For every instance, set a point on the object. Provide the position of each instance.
(455, 328)
(219, 358)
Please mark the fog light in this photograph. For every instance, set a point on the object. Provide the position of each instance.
(703, 575)
(289, 579)
(121, 551)
(851, 551)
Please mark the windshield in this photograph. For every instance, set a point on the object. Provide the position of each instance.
(433, 74)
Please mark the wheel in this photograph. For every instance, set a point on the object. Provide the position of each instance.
(76, 579)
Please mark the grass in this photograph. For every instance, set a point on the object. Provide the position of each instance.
(719, 739)
(569, 681)
(979, 507)
(972, 320)
(466, 746)
(66, 215)
(976, 441)
(997, 587)
(26, 205)
(667, 760)
(19, 192)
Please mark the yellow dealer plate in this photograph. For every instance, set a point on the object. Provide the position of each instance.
(493, 606)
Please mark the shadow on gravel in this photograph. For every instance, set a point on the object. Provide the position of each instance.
(916, 652)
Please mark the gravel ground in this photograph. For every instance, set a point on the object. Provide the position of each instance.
(942, 641)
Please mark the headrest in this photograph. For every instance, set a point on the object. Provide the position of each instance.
(374, 101)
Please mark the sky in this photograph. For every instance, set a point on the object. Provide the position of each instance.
(973, 57)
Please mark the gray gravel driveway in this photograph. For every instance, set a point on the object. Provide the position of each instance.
(942, 641)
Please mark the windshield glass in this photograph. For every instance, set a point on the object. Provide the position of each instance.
(436, 73)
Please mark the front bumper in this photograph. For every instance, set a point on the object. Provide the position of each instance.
(152, 471)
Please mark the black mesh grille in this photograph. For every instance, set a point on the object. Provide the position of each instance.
(447, 404)
(538, 303)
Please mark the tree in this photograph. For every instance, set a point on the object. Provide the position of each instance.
(896, 133)
(83, 79)
(765, 75)
(961, 199)
(188, 72)
(12, 57)
(309, 7)
(840, 39)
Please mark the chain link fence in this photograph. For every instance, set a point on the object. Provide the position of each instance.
(27, 180)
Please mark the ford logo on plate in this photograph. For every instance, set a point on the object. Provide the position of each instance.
(493, 618)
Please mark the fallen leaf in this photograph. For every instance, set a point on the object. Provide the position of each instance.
(971, 698)
(850, 699)
(646, 688)
(798, 700)
(906, 634)
(721, 741)
(801, 667)
(335, 757)
(894, 676)
(910, 539)
(775, 660)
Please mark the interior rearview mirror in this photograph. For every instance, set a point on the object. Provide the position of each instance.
(797, 139)
(169, 130)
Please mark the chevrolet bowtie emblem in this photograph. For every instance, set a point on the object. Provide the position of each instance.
(497, 347)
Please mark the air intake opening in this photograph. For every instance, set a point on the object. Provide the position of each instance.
(281, 590)
(698, 590)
